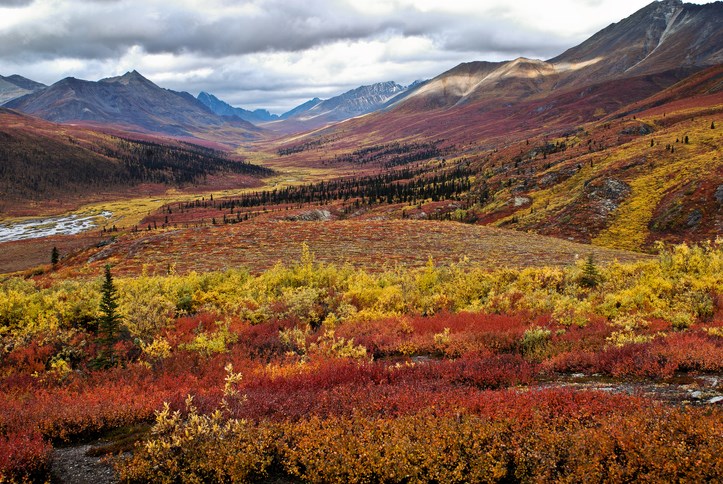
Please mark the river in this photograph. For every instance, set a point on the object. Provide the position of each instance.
(47, 226)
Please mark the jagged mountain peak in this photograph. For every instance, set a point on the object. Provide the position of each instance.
(663, 35)
(355, 102)
(16, 86)
(129, 77)
(223, 108)
(129, 100)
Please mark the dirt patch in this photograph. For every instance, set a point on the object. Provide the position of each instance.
(73, 465)
(679, 390)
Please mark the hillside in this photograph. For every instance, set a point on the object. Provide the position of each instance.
(664, 35)
(44, 162)
(625, 180)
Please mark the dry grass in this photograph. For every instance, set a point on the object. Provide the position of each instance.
(370, 244)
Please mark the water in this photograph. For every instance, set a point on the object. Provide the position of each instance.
(45, 227)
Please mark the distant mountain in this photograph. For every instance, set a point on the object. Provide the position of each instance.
(301, 108)
(129, 101)
(356, 102)
(15, 86)
(222, 108)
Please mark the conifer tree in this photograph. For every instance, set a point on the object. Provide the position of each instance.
(54, 256)
(590, 275)
(109, 322)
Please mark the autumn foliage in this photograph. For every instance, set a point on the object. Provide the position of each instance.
(446, 374)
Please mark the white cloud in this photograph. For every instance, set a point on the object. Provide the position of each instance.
(277, 53)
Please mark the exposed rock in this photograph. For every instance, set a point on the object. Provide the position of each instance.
(694, 219)
(638, 129)
(717, 399)
(719, 194)
(311, 216)
(520, 201)
(555, 177)
(72, 465)
(608, 195)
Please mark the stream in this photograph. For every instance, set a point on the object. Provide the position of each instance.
(48, 226)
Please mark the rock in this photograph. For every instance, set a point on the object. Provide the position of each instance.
(717, 399)
(697, 395)
(694, 219)
(311, 216)
(519, 201)
(719, 194)
(639, 129)
(606, 196)
(71, 464)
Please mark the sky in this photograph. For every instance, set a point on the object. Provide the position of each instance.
(276, 54)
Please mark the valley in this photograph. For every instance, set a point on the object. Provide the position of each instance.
(509, 272)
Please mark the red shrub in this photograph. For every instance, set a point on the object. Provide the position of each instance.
(24, 455)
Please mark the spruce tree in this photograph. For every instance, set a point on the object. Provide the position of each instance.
(109, 322)
(590, 275)
(54, 256)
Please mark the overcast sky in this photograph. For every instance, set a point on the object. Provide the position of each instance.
(276, 54)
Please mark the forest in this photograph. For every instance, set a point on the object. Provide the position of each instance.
(55, 168)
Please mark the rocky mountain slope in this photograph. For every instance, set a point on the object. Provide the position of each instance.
(223, 108)
(129, 101)
(355, 102)
(15, 86)
(662, 37)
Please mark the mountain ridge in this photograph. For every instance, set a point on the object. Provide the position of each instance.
(223, 108)
(15, 86)
(129, 100)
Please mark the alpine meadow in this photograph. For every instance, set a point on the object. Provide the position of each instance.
(486, 270)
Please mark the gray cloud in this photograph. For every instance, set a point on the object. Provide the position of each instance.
(275, 53)
(15, 3)
(104, 29)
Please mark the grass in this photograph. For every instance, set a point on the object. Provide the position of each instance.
(370, 244)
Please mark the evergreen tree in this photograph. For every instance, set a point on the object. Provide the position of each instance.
(54, 256)
(109, 322)
(590, 275)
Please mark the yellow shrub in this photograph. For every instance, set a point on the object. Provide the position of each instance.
(158, 349)
(212, 343)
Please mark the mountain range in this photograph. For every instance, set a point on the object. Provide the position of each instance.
(665, 37)
(222, 108)
(316, 112)
(130, 102)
